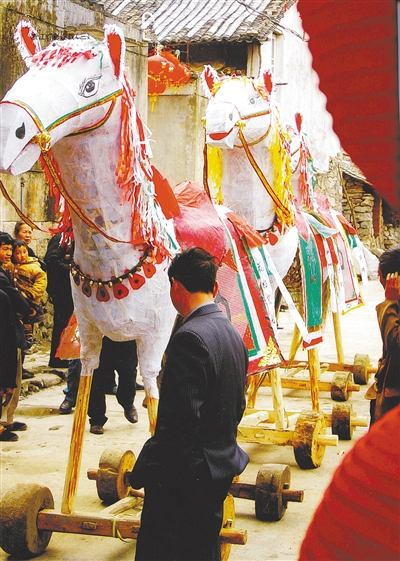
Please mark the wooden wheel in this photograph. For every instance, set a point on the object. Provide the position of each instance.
(110, 476)
(360, 369)
(271, 480)
(19, 508)
(228, 521)
(340, 382)
(307, 451)
(341, 421)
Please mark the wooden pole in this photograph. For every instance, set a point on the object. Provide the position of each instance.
(315, 372)
(76, 445)
(338, 337)
(277, 397)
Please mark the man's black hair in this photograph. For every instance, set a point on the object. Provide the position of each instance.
(6, 239)
(195, 269)
(389, 261)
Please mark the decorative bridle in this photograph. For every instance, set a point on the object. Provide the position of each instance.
(88, 284)
(285, 211)
(43, 139)
(241, 123)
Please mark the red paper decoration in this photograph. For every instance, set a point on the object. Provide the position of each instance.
(102, 294)
(165, 69)
(159, 67)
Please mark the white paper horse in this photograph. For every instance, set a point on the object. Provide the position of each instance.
(303, 172)
(56, 113)
(241, 119)
(262, 175)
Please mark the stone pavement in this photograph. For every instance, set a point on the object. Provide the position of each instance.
(44, 376)
(41, 454)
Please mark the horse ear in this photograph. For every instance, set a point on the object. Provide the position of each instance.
(116, 46)
(299, 119)
(209, 77)
(27, 41)
(268, 82)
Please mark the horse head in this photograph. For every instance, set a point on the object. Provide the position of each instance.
(243, 121)
(74, 103)
(236, 104)
(80, 81)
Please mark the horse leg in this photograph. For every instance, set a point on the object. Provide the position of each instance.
(80, 415)
(296, 340)
(147, 350)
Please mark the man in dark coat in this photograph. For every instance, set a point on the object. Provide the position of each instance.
(187, 467)
(12, 338)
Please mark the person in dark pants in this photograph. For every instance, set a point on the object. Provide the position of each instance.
(187, 467)
(57, 259)
(119, 356)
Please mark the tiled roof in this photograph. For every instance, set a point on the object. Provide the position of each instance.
(351, 169)
(196, 21)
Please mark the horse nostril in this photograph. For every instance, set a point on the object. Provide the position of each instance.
(231, 116)
(20, 132)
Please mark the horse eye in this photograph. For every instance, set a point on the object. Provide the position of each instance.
(90, 86)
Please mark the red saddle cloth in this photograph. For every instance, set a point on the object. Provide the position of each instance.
(198, 223)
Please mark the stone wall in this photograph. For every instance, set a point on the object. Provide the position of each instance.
(391, 236)
(359, 205)
(330, 184)
(377, 225)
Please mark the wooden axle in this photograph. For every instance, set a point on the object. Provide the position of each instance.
(361, 367)
(248, 491)
(260, 432)
(113, 487)
(271, 493)
(297, 384)
(308, 437)
(121, 527)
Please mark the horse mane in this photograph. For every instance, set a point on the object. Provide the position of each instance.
(135, 176)
(57, 54)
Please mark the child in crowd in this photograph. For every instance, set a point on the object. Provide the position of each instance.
(31, 281)
(23, 231)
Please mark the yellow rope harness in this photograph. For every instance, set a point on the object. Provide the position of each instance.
(284, 210)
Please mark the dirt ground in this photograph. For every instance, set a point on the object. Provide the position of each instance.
(41, 454)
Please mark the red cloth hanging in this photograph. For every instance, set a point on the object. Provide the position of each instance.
(354, 49)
